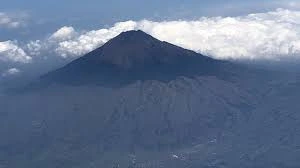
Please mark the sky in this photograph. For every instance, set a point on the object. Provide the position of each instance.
(47, 16)
(37, 36)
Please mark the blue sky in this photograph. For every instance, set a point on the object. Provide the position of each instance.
(114, 10)
(46, 16)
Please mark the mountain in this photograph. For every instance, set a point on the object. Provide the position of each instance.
(135, 55)
(140, 102)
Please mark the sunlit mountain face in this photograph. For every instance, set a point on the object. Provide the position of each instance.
(141, 102)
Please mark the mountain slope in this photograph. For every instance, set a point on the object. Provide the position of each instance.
(171, 108)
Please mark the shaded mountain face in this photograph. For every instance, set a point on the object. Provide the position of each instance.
(171, 108)
(132, 56)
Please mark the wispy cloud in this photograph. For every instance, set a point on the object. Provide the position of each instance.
(10, 21)
(10, 72)
(287, 4)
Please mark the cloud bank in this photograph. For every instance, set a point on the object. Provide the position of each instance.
(272, 35)
(262, 36)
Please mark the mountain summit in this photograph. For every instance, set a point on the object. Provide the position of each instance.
(136, 48)
(131, 49)
(134, 55)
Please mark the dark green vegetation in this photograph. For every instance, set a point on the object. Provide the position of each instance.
(140, 102)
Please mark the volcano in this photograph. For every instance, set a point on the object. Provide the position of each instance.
(135, 55)
(141, 102)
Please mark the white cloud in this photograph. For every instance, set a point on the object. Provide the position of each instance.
(8, 21)
(63, 34)
(10, 72)
(272, 35)
(11, 52)
(34, 47)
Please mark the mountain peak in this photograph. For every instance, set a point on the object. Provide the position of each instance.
(131, 56)
(132, 37)
(134, 33)
(135, 48)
